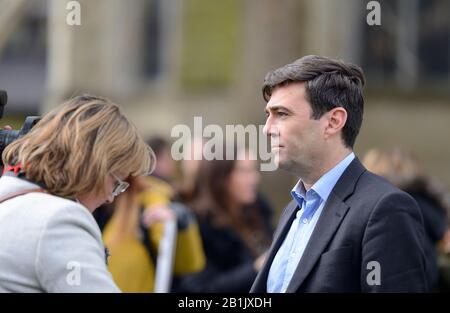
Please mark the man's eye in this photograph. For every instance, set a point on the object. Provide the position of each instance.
(281, 114)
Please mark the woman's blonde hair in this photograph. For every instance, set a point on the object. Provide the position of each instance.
(74, 148)
(403, 169)
(398, 166)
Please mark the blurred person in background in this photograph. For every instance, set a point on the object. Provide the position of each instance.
(235, 225)
(166, 167)
(159, 191)
(190, 165)
(134, 227)
(403, 169)
(74, 160)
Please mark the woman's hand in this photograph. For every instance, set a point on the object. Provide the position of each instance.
(157, 214)
(138, 184)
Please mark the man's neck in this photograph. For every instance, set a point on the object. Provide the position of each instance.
(328, 163)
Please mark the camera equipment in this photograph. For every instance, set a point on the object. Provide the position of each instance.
(7, 136)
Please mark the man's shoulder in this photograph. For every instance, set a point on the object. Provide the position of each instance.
(372, 185)
(372, 191)
(377, 184)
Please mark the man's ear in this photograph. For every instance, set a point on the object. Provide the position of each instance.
(336, 119)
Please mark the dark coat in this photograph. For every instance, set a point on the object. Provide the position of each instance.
(435, 222)
(365, 219)
(229, 262)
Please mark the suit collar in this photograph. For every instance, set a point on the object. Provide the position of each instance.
(347, 182)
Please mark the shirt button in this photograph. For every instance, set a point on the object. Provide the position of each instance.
(305, 221)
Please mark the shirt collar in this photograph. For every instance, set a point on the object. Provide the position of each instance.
(324, 185)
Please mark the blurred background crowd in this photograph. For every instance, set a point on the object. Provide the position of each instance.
(166, 61)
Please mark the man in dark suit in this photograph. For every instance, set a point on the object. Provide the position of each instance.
(346, 229)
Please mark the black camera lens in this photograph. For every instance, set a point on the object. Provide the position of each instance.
(8, 135)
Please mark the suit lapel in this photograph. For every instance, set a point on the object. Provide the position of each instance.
(332, 215)
(329, 221)
(285, 225)
(286, 220)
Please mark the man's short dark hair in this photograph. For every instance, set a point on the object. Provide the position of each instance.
(329, 84)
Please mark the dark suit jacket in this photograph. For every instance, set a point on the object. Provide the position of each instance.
(364, 219)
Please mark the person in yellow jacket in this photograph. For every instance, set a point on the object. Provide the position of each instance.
(135, 229)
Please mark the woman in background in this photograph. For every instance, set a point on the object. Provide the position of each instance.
(235, 225)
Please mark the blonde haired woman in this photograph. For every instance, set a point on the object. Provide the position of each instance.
(75, 159)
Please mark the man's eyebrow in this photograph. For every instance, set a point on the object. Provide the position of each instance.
(277, 108)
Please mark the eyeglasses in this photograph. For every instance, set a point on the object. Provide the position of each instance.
(120, 186)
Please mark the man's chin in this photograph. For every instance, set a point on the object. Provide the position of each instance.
(280, 162)
(284, 164)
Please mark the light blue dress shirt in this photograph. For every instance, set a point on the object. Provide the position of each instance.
(311, 204)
